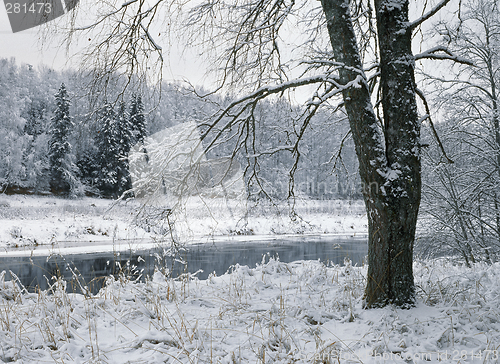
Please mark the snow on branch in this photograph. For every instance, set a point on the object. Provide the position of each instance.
(104, 17)
(320, 62)
(152, 41)
(433, 53)
(428, 15)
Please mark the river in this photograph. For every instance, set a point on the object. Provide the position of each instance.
(88, 270)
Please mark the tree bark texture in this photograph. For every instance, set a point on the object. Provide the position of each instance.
(388, 154)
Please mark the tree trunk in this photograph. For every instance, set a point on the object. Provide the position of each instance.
(389, 155)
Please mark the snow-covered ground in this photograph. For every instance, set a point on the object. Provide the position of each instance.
(39, 220)
(300, 312)
(276, 312)
(34, 220)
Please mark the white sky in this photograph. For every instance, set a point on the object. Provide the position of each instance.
(27, 48)
(24, 46)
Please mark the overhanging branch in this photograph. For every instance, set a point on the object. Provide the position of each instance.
(262, 93)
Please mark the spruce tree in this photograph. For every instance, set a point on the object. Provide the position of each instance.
(108, 143)
(125, 137)
(137, 119)
(62, 168)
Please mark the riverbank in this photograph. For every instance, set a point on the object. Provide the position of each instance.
(300, 312)
(29, 221)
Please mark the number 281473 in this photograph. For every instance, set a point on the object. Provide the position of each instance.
(33, 8)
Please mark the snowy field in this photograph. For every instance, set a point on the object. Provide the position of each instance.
(301, 312)
(31, 221)
(38, 220)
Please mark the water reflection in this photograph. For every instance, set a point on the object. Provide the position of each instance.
(88, 271)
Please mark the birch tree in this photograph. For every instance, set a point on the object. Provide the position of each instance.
(354, 56)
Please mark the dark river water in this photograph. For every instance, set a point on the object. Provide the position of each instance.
(89, 270)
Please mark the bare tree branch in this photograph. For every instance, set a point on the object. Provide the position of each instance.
(432, 54)
(428, 15)
(434, 132)
(260, 94)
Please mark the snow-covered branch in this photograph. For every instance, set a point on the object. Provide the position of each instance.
(433, 53)
(105, 17)
(428, 15)
(465, 84)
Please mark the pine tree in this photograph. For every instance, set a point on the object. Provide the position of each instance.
(63, 180)
(137, 119)
(108, 143)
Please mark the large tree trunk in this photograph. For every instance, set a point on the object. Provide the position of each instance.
(389, 154)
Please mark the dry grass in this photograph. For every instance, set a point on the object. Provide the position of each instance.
(298, 312)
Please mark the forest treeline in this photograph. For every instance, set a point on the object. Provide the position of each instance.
(57, 137)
